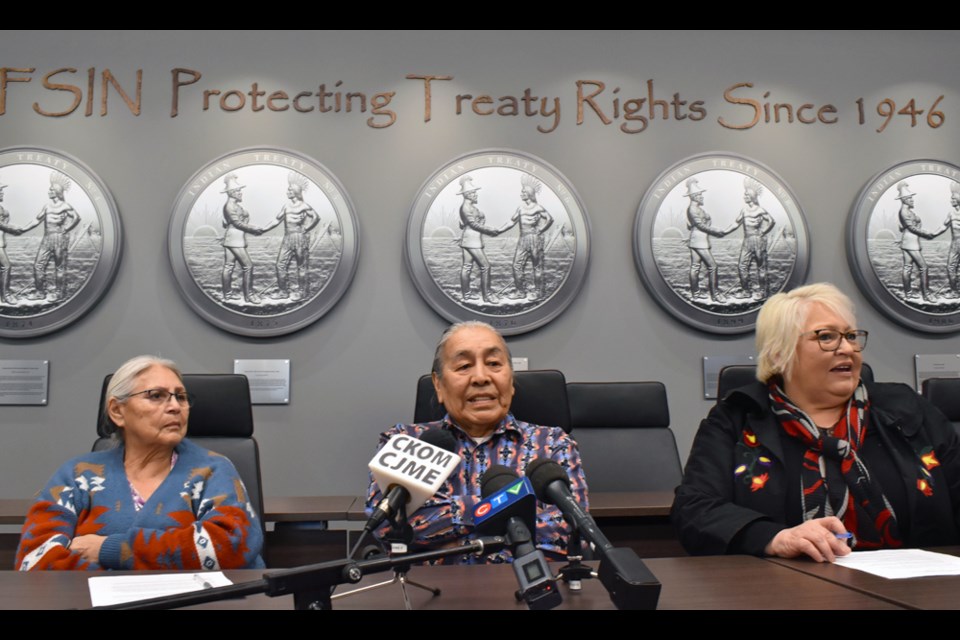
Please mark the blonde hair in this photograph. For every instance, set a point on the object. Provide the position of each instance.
(781, 321)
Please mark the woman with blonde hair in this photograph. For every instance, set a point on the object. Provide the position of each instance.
(811, 461)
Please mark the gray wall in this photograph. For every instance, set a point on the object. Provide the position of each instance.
(354, 370)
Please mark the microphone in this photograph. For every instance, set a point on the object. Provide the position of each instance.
(626, 578)
(510, 505)
(552, 485)
(409, 470)
(505, 496)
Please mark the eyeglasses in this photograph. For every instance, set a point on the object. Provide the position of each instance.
(829, 339)
(161, 396)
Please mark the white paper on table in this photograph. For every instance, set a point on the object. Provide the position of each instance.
(107, 590)
(902, 563)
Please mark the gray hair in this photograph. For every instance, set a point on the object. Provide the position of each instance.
(781, 320)
(437, 368)
(121, 385)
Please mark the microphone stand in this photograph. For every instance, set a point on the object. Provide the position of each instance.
(574, 572)
(311, 585)
(399, 536)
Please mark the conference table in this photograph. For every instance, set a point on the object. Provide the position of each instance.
(302, 531)
(721, 582)
(717, 582)
(932, 592)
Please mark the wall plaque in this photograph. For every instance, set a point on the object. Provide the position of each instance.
(715, 236)
(269, 379)
(935, 365)
(903, 244)
(60, 240)
(263, 241)
(24, 382)
(500, 236)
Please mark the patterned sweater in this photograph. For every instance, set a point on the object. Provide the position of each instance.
(198, 518)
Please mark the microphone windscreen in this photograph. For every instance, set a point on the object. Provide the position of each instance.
(495, 478)
(440, 438)
(415, 464)
(543, 471)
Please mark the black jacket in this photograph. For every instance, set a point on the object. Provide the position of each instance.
(733, 498)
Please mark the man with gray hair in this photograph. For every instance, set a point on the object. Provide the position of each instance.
(473, 379)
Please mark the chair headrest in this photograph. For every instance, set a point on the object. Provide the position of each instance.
(222, 406)
(618, 405)
(540, 397)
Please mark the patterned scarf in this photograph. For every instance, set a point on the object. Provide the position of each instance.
(834, 480)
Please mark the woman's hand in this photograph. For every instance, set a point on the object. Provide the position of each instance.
(88, 546)
(815, 538)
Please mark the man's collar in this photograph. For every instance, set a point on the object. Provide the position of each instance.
(508, 424)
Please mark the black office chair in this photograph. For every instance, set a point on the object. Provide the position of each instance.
(734, 377)
(221, 420)
(739, 375)
(623, 429)
(540, 397)
(944, 394)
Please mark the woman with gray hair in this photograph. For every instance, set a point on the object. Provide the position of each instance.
(811, 461)
(155, 501)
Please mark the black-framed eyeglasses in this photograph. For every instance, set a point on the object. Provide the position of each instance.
(829, 339)
(161, 396)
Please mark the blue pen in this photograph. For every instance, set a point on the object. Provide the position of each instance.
(844, 536)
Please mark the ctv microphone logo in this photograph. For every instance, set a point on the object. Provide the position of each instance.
(502, 501)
